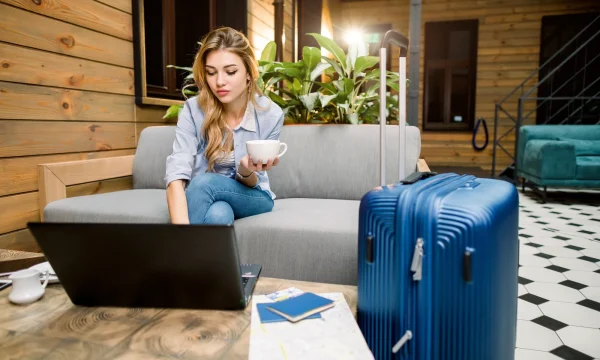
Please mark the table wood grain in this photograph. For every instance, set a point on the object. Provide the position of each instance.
(54, 328)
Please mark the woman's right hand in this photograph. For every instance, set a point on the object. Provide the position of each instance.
(177, 203)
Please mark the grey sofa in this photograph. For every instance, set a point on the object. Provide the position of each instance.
(311, 234)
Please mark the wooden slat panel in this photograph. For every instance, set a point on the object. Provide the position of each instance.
(60, 37)
(19, 138)
(86, 171)
(29, 66)
(20, 174)
(17, 210)
(508, 52)
(100, 187)
(151, 114)
(21, 240)
(123, 5)
(86, 13)
(29, 102)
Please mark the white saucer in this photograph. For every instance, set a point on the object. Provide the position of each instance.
(45, 266)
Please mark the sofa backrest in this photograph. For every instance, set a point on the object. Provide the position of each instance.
(555, 132)
(150, 161)
(322, 161)
(338, 161)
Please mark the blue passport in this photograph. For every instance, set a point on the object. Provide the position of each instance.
(301, 306)
(267, 316)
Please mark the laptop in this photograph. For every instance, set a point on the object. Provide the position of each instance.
(148, 265)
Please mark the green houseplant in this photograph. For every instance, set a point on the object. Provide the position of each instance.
(349, 94)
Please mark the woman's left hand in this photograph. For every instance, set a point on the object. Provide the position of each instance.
(246, 163)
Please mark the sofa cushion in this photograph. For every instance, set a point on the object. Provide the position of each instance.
(150, 161)
(584, 147)
(588, 167)
(127, 206)
(548, 159)
(303, 239)
(339, 161)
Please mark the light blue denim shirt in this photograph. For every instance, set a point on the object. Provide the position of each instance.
(188, 159)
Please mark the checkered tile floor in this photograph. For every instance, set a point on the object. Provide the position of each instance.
(559, 277)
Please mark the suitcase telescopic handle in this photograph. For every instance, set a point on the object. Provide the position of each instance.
(394, 38)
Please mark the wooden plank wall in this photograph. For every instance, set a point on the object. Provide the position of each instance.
(261, 26)
(508, 51)
(66, 85)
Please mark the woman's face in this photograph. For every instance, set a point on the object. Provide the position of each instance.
(226, 75)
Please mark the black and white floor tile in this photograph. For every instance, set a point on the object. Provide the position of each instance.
(559, 277)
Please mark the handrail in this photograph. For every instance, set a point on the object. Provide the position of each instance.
(575, 98)
(562, 86)
(597, 97)
(525, 95)
(547, 62)
(562, 63)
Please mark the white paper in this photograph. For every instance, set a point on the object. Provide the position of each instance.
(335, 335)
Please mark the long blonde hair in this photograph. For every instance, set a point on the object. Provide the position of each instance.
(215, 124)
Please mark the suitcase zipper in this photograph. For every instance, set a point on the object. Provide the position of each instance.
(417, 261)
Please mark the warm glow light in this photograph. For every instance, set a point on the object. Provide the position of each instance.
(353, 35)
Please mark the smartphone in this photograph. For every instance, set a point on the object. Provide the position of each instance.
(4, 284)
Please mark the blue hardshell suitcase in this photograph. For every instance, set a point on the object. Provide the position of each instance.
(438, 264)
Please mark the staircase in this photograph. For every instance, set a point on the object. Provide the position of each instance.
(567, 92)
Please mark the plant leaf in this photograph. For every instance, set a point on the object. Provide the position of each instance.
(309, 100)
(330, 46)
(327, 86)
(277, 99)
(365, 62)
(335, 65)
(269, 52)
(172, 111)
(289, 71)
(325, 99)
(353, 118)
(318, 70)
(311, 57)
(297, 85)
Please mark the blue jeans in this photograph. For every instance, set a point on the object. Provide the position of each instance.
(217, 199)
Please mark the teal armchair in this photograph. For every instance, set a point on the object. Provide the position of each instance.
(559, 156)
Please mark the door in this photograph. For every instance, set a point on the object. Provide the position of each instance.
(449, 75)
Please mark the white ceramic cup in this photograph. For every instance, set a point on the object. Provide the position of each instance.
(265, 149)
(26, 286)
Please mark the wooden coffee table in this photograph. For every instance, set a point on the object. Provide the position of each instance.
(54, 328)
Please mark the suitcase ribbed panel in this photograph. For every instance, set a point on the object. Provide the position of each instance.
(451, 319)
(378, 212)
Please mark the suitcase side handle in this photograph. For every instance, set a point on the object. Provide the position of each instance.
(395, 38)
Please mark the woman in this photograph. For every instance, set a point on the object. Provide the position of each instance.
(210, 177)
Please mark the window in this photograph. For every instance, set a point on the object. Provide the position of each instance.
(167, 32)
(450, 74)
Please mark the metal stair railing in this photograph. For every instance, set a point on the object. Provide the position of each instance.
(524, 96)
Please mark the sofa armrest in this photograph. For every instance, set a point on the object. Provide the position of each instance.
(422, 166)
(53, 178)
(548, 159)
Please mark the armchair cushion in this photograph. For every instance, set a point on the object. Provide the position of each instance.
(549, 159)
(584, 147)
(127, 206)
(588, 167)
(303, 239)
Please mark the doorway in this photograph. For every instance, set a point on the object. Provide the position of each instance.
(449, 75)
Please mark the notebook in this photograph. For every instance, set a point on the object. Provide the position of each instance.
(267, 316)
(301, 306)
